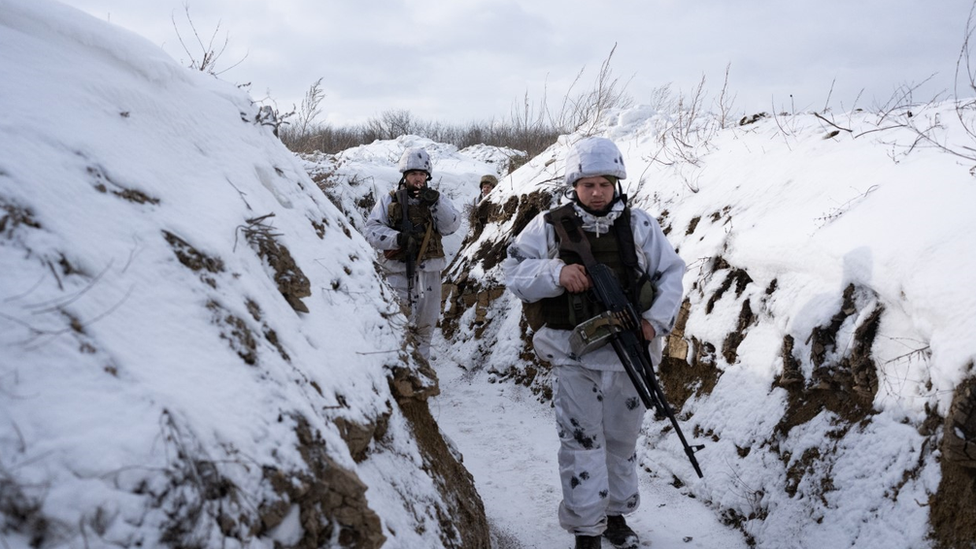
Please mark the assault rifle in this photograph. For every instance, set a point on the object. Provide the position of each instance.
(626, 335)
(410, 243)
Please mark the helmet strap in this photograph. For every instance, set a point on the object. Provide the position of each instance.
(620, 195)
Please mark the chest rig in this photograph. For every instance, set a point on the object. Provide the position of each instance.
(614, 249)
(420, 216)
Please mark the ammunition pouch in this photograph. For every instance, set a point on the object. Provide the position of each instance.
(646, 292)
(594, 333)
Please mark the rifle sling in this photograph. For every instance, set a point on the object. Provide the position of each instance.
(423, 247)
(564, 220)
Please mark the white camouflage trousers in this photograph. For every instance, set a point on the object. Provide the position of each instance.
(426, 307)
(598, 416)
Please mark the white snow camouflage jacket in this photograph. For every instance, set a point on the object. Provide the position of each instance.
(532, 273)
(383, 237)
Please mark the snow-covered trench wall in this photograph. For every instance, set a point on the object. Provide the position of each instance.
(825, 340)
(195, 347)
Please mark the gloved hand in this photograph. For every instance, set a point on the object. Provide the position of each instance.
(429, 196)
(413, 238)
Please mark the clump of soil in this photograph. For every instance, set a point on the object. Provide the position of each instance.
(737, 276)
(14, 216)
(292, 282)
(194, 259)
(101, 181)
(269, 334)
(236, 333)
(730, 347)
(358, 436)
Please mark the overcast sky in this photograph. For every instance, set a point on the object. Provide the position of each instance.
(458, 61)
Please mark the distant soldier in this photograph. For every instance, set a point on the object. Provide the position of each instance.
(487, 183)
(407, 225)
(477, 215)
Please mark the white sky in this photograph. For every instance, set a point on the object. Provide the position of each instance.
(473, 60)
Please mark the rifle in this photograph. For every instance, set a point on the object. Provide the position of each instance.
(625, 328)
(410, 253)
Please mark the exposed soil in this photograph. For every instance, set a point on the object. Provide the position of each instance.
(291, 281)
(101, 182)
(235, 332)
(730, 347)
(736, 276)
(954, 522)
(465, 292)
(952, 514)
(194, 259)
(688, 368)
(844, 386)
(331, 499)
(14, 215)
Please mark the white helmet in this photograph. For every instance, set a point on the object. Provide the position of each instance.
(414, 158)
(594, 156)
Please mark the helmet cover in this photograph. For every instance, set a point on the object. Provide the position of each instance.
(414, 158)
(594, 156)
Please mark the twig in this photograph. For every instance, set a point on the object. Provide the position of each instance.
(54, 304)
(832, 124)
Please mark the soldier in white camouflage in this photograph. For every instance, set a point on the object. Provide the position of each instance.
(429, 217)
(598, 410)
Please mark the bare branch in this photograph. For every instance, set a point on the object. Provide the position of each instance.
(209, 55)
(818, 115)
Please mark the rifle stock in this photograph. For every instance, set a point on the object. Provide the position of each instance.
(627, 341)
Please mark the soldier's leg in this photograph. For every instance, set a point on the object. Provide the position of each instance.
(582, 452)
(427, 308)
(622, 420)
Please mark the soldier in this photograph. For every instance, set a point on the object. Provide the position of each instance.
(598, 410)
(487, 183)
(407, 225)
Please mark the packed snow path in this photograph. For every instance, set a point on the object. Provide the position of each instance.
(508, 440)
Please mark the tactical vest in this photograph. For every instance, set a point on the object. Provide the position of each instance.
(420, 216)
(614, 249)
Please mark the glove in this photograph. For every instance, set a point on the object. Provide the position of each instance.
(402, 239)
(414, 237)
(429, 196)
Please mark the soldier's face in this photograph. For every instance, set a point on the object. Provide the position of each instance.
(416, 179)
(595, 192)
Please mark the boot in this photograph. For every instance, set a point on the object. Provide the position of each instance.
(587, 542)
(619, 534)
